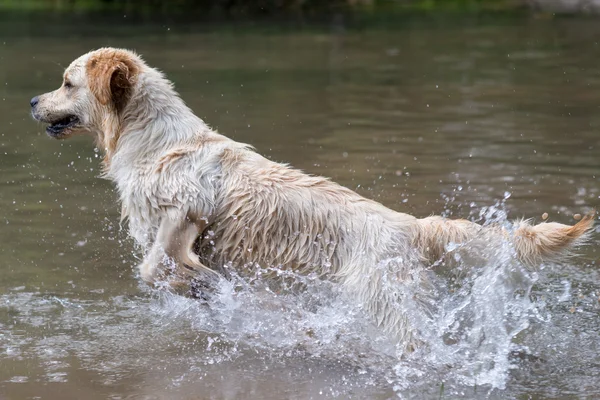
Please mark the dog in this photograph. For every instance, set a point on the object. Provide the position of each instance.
(197, 201)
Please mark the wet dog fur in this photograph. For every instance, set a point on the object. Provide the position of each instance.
(196, 200)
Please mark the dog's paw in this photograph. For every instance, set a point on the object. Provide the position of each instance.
(201, 290)
(147, 272)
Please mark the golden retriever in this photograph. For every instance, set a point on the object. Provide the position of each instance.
(197, 200)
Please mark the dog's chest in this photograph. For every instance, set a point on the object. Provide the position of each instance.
(141, 208)
(148, 195)
(143, 201)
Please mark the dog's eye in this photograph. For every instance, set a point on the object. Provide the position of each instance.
(68, 85)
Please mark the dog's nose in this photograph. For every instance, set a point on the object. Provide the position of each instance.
(34, 101)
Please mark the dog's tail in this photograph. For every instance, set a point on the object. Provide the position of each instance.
(534, 244)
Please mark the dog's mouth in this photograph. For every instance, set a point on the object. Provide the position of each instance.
(59, 127)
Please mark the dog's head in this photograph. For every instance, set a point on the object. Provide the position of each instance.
(95, 91)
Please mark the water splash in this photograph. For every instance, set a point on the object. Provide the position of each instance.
(478, 303)
(476, 317)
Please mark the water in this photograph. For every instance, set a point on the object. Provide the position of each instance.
(465, 119)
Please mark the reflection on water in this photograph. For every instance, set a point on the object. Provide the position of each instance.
(443, 120)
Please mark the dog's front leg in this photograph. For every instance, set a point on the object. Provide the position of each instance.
(172, 261)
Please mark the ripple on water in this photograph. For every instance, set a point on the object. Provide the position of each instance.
(484, 317)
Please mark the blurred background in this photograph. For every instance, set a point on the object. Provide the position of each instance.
(468, 108)
(306, 7)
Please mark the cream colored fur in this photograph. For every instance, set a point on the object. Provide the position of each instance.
(179, 180)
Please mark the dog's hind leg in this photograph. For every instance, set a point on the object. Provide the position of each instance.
(172, 261)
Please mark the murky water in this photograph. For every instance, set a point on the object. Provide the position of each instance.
(450, 119)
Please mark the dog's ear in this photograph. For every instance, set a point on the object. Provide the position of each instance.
(112, 74)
